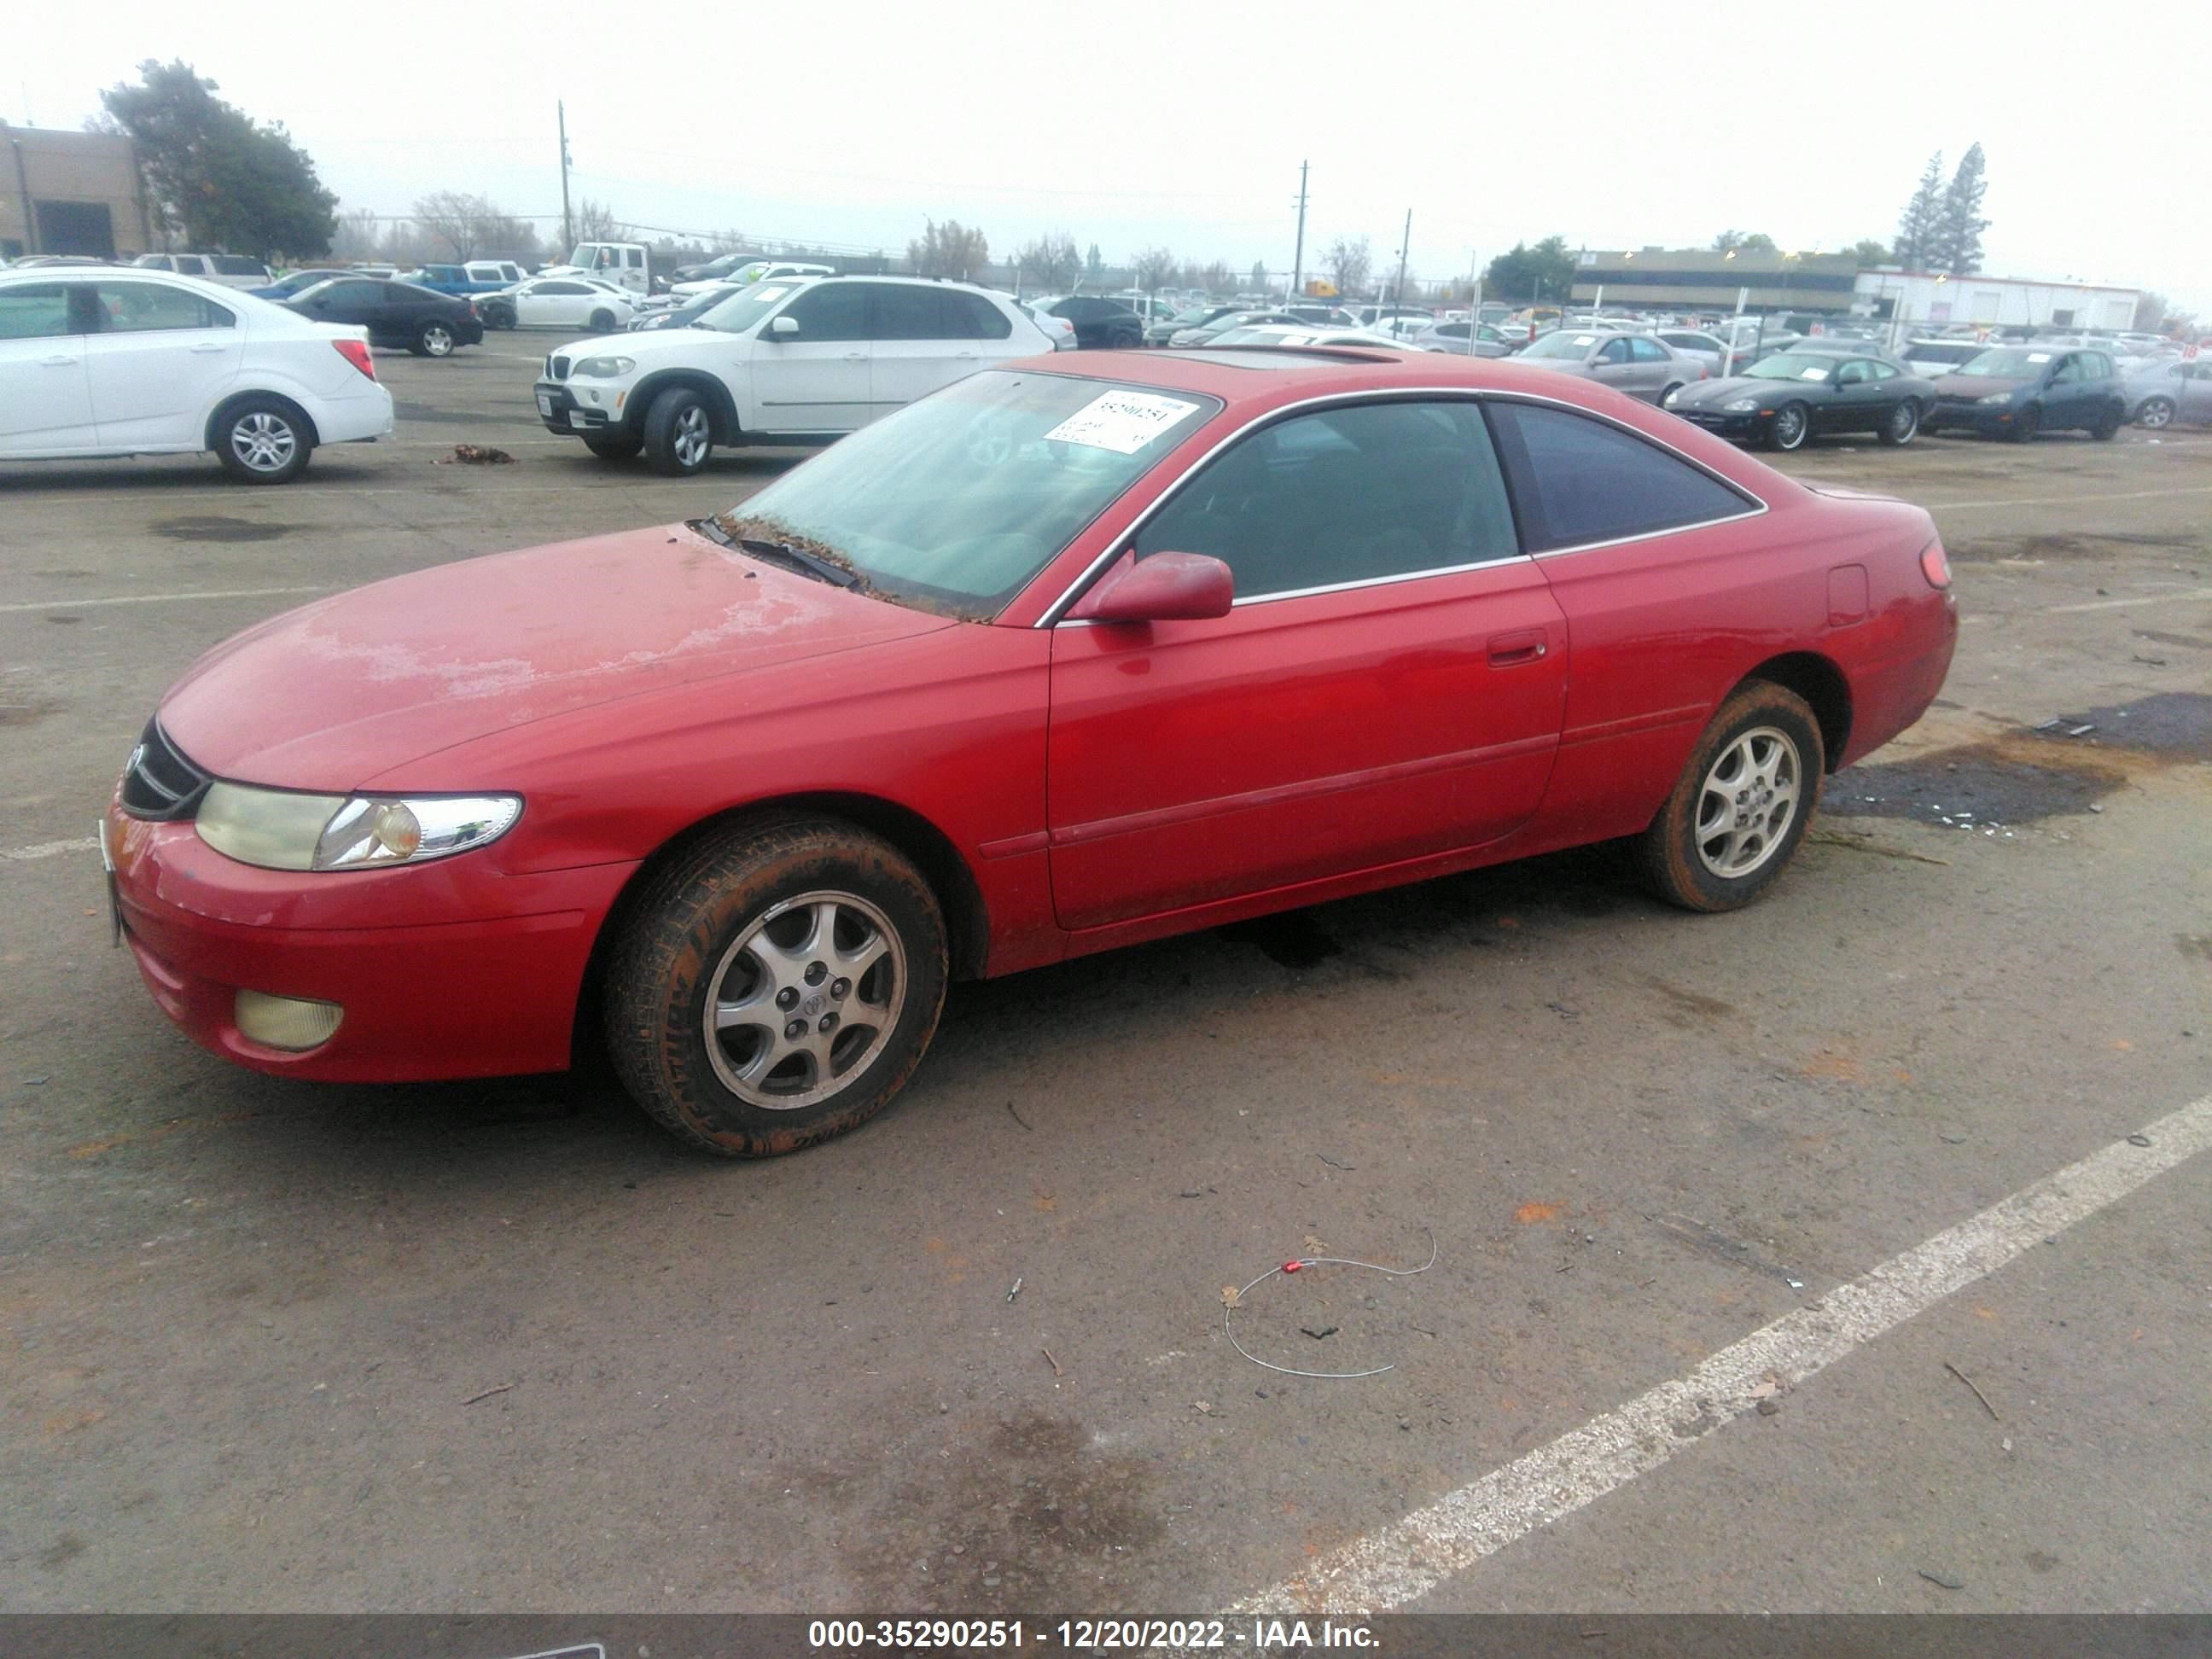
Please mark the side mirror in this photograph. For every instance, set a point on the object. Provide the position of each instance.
(1165, 587)
(785, 326)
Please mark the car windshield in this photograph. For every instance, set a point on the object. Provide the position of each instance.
(2009, 364)
(1561, 344)
(1194, 315)
(954, 503)
(1792, 366)
(734, 313)
(696, 307)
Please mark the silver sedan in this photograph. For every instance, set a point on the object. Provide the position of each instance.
(2165, 391)
(1452, 336)
(1638, 364)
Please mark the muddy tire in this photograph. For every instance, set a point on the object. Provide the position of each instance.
(775, 987)
(1741, 805)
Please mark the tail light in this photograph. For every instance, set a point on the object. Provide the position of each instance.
(472, 305)
(357, 353)
(1933, 565)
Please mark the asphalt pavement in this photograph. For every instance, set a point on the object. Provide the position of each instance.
(1753, 1288)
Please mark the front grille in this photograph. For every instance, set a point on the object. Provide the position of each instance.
(158, 782)
(557, 367)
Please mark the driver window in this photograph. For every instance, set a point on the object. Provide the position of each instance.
(1345, 495)
(1616, 351)
(1851, 373)
(2069, 369)
(834, 311)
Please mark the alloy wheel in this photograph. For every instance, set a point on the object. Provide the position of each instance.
(693, 436)
(1747, 802)
(264, 441)
(1789, 428)
(2156, 414)
(437, 341)
(804, 1000)
(1904, 424)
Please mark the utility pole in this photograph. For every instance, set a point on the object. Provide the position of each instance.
(1404, 247)
(1299, 255)
(568, 225)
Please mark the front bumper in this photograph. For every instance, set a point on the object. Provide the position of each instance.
(450, 970)
(560, 410)
(1749, 427)
(1989, 420)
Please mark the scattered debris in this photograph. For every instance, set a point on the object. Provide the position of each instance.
(1204, 1407)
(1017, 1116)
(1050, 1361)
(1017, 1291)
(1320, 1335)
(39, 1082)
(1978, 1395)
(1195, 1193)
(1334, 1162)
(1862, 844)
(1563, 1011)
(475, 455)
(1232, 1298)
(2139, 1138)
(2155, 662)
(503, 1388)
(1945, 1578)
(1768, 1407)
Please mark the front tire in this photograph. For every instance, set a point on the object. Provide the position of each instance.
(1741, 805)
(1903, 425)
(619, 447)
(2157, 414)
(603, 322)
(434, 339)
(264, 441)
(2026, 424)
(1791, 425)
(679, 432)
(776, 987)
(2109, 424)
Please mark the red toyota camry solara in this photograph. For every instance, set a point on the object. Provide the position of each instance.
(1078, 652)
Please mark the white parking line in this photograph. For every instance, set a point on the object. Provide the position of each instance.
(2064, 501)
(160, 598)
(50, 849)
(1408, 1558)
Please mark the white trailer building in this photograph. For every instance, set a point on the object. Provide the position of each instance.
(1925, 297)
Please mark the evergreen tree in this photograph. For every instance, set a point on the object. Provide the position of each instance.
(1957, 247)
(1916, 226)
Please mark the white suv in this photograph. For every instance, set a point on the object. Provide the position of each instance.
(231, 269)
(100, 362)
(800, 361)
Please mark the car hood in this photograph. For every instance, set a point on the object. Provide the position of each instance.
(645, 343)
(1703, 394)
(1971, 387)
(329, 697)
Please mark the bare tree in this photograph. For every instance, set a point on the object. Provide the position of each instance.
(596, 222)
(455, 218)
(1348, 263)
(1154, 266)
(1216, 277)
(359, 234)
(1052, 259)
(950, 249)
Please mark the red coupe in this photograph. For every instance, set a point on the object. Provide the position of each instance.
(1076, 652)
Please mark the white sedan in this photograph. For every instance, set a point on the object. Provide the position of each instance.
(573, 302)
(99, 363)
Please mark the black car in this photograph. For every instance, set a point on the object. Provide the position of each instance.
(1100, 323)
(2017, 391)
(394, 313)
(1782, 400)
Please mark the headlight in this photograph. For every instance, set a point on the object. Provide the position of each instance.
(1995, 398)
(1668, 401)
(1740, 405)
(603, 369)
(278, 829)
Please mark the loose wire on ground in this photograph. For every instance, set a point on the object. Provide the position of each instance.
(1299, 1265)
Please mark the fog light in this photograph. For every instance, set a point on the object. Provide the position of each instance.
(288, 1023)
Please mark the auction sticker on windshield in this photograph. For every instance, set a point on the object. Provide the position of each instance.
(1123, 422)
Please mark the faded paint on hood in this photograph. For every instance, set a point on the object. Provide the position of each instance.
(329, 695)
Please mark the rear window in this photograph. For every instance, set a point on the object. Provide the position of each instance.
(1578, 480)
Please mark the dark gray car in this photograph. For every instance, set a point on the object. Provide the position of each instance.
(1638, 364)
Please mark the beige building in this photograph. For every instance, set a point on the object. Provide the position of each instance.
(70, 192)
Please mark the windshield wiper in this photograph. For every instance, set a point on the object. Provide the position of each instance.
(782, 553)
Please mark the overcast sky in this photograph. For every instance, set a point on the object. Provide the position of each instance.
(1613, 124)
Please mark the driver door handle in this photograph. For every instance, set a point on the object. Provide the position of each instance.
(1509, 650)
(56, 363)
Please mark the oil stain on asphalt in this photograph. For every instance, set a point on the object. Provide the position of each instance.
(210, 527)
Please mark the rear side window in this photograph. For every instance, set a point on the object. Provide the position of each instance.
(1345, 495)
(34, 311)
(978, 320)
(911, 313)
(152, 307)
(1578, 480)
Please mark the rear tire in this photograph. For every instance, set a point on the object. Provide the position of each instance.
(263, 440)
(2109, 424)
(1903, 425)
(2156, 414)
(679, 432)
(1717, 844)
(603, 322)
(620, 447)
(719, 985)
